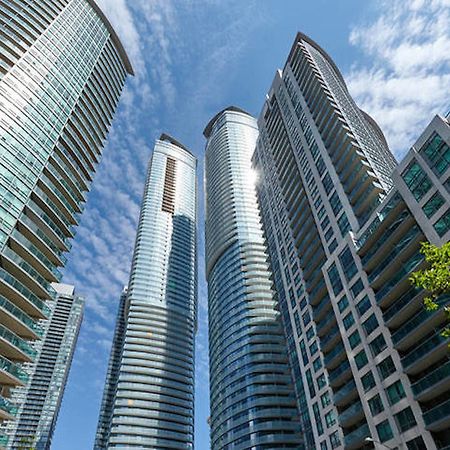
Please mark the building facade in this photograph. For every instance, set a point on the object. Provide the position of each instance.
(344, 224)
(251, 391)
(40, 400)
(153, 405)
(62, 69)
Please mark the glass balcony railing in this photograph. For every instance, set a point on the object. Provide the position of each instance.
(336, 373)
(344, 391)
(7, 406)
(357, 436)
(338, 349)
(24, 318)
(329, 336)
(325, 321)
(13, 369)
(399, 304)
(423, 349)
(3, 440)
(439, 412)
(440, 374)
(410, 325)
(351, 411)
(18, 342)
(24, 291)
(37, 253)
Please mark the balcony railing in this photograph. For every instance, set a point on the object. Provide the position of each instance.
(7, 406)
(357, 436)
(440, 374)
(440, 412)
(13, 369)
(17, 342)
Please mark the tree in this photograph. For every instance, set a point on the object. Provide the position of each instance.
(435, 279)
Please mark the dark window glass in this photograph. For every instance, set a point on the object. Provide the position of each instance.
(405, 419)
(443, 224)
(376, 405)
(327, 183)
(357, 287)
(395, 392)
(432, 205)
(335, 203)
(384, 431)
(368, 381)
(354, 339)
(437, 154)
(361, 359)
(348, 263)
(386, 367)
(416, 180)
(378, 345)
(343, 303)
(363, 305)
(344, 224)
(371, 324)
(335, 279)
(348, 320)
(416, 444)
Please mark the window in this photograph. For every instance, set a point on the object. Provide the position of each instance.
(330, 419)
(386, 367)
(309, 333)
(313, 348)
(306, 318)
(437, 154)
(361, 359)
(317, 364)
(443, 224)
(335, 203)
(317, 419)
(432, 205)
(343, 303)
(368, 381)
(395, 392)
(325, 399)
(378, 345)
(327, 183)
(332, 246)
(335, 280)
(321, 381)
(405, 419)
(384, 431)
(370, 325)
(416, 444)
(354, 339)
(376, 405)
(344, 224)
(348, 320)
(312, 391)
(325, 222)
(357, 288)
(334, 439)
(348, 263)
(323, 445)
(363, 305)
(416, 180)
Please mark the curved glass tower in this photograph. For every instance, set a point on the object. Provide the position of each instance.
(62, 69)
(252, 396)
(154, 399)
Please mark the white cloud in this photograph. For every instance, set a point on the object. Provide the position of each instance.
(408, 78)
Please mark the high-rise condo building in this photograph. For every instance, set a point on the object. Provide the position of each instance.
(62, 69)
(40, 399)
(252, 396)
(153, 387)
(344, 224)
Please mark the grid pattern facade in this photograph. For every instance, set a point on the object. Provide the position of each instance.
(343, 242)
(252, 396)
(62, 69)
(154, 399)
(40, 399)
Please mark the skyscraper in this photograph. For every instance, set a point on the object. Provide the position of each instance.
(343, 223)
(40, 399)
(61, 73)
(251, 392)
(153, 405)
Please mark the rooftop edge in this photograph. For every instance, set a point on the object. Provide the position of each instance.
(208, 129)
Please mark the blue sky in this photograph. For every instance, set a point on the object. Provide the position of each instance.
(193, 58)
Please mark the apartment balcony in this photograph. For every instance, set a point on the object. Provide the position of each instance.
(433, 384)
(402, 307)
(21, 296)
(340, 375)
(346, 393)
(3, 441)
(351, 415)
(356, 438)
(318, 287)
(324, 325)
(7, 409)
(425, 354)
(438, 418)
(14, 347)
(333, 358)
(331, 338)
(11, 374)
(321, 308)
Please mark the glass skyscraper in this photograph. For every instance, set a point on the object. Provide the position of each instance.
(62, 69)
(251, 392)
(344, 224)
(40, 399)
(153, 387)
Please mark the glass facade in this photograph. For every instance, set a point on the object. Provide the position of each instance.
(149, 394)
(343, 225)
(62, 69)
(39, 400)
(251, 391)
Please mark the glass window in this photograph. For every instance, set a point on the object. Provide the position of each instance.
(317, 364)
(348, 320)
(348, 263)
(309, 379)
(437, 154)
(386, 367)
(357, 288)
(343, 303)
(334, 439)
(395, 392)
(335, 280)
(327, 183)
(384, 431)
(330, 419)
(332, 246)
(354, 339)
(317, 418)
(368, 381)
(416, 444)
(310, 333)
(325, 399)
(378, 345)
(376, 405)
(323, 445)
(432, 205)
(335, 203)
(321, 381)
(363, 305)
(416, 180)
(313, 348)
(370, 325)
(344, 224)
(361, 359)
(405, 419)
(443, 224)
